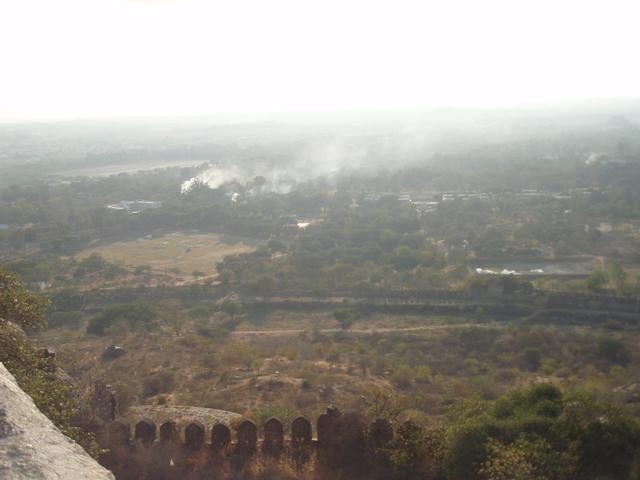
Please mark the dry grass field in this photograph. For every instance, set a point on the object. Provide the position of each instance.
(170, 253)
(288, 363)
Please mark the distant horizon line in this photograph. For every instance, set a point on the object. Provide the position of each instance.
(588, 103)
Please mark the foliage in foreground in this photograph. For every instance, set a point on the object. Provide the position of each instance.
(533, 433)
(17, 304)
(35, 373)
(542, 433)
(36, 376)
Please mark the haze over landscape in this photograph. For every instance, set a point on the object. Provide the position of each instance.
(80, 59)
(319, 240)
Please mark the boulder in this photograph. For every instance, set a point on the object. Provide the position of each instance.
(113, 351)
(31, 447)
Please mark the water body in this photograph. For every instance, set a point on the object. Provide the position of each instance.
(582, 266)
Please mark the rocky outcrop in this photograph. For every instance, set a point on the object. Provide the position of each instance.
(31, 447)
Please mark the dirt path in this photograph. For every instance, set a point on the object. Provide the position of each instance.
(358, 331)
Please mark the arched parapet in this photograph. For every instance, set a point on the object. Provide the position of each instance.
(169, 432)
(220, 437)
(119, 433)
(247, 439)
(273, 444)
(145, 433)
(194, 435)
(328, 427)
(301, 432)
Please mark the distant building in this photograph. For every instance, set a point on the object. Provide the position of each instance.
(450, 196)
(36, 286)
(134, 206)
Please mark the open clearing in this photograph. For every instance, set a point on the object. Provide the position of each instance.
(171, 252)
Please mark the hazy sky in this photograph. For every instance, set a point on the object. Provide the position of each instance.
(95, 58)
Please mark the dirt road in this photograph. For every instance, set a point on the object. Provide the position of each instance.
(358, 331)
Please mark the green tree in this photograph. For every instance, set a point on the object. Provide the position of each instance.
(345, 317)
(136, 315)
(613, 351)
(35, 373)
(539, 432)
(232, 308)
(617, 275)
(407, 451)
(93, 263)
(596, 280)
(404, 258)
(524, 459)
(17, 304)
(403, 376)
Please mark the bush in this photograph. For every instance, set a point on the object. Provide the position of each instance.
(211, 331)
(35, 374)
(345, 316)
(17, 304)
(422, 374)
(613, 351)
(238, 352)
(406, 451)
(37, 378)
(127, 393)
(161, 382)
(540, 431)
(91, 264)
(64, 319)
(596, 280)
(202, 311)
(532, 359)
(135, 315)
(403, 376)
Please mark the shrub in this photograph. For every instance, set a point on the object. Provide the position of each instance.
(238, 352)
(532, 359)
(161, 382)
(403, 376)
(127, 393)
(17, 304)
(540, 431)
(202, 311)
(135, 315)
(406, 451)
(34, 374)
(64, 319)
(422, 374)
(345, 316)
(613, 351)
(596, 280)
(91, 264)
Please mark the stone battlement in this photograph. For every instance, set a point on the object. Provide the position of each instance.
(147, 451)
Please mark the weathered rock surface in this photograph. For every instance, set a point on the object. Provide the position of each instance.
(31, 447)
